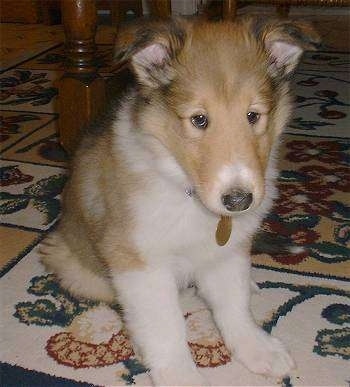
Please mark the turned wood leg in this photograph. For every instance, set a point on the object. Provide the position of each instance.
(81, 89)
(282, 10)
(115, 12)
(160, 8)
(50, 12)
(229, 9)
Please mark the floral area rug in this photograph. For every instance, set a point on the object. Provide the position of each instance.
(49, 338)
(20, 42)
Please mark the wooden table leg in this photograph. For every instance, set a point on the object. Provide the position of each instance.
(229, 9)
(282, 10)
(161, 9)
(81, 90)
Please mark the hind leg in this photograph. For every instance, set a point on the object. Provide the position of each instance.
(72, 275)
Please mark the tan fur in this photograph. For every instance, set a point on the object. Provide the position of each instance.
(221, 69)
(85, 239)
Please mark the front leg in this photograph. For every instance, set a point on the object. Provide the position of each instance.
(226, 287)
(156, 325)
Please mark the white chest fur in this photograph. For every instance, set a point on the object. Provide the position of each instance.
(173, 228)
(168, 221)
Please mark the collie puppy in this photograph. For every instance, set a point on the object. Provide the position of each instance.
(172, 191)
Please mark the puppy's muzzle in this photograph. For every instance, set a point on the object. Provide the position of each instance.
(237, 200)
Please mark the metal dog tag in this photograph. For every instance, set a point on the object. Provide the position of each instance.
(223, 230)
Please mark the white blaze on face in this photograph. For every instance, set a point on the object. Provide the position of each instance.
(237, 177)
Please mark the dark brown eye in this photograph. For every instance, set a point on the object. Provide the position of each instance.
(200, 121)
(253, 117)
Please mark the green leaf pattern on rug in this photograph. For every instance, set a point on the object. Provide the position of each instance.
(13, 205)
(50, 206)
(334, 342)
(41, 194)
(47, 187)
(337, 314)
(329, 252)
(135, 368)
(26, 86)
(304, 293)
(44, 311)
(298, 220)
(291, 176)
(300, 123)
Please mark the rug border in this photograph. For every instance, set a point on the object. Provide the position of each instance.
(303, 273)
(15, 260)
(15, 376)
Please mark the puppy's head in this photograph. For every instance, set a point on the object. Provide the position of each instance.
(216, 96)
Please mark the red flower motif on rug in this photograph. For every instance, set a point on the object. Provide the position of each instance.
(11, 175)
(87, 342)
(300, 237)
(325, 151)
(333, 178)
(295, 198)
(67, 350)
(210, 355)
(291, 259)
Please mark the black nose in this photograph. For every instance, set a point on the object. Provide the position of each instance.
(237, 200)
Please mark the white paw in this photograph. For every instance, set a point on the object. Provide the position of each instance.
(177, 377)
(264, 354)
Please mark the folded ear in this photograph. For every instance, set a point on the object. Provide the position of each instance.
(285, 41)
(151, 51)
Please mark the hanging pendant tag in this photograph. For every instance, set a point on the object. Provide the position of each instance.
(223, 230)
